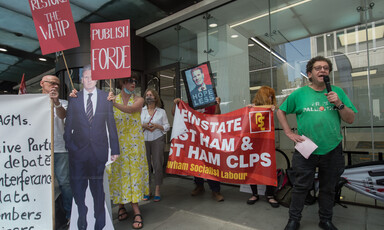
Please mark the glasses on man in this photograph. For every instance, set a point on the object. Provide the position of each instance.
(132, 80)
(318, 68)
(52, 83)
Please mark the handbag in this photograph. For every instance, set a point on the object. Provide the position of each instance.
(284, 189)
(283, 196)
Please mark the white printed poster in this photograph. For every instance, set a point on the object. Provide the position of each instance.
(25, 162)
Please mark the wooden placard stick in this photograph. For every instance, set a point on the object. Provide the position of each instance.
(66, 66)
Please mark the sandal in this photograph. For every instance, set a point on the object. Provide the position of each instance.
(122, 212)
(146, 197)
(271, 200)
(140, 223)
(250, 201)
(157, 198)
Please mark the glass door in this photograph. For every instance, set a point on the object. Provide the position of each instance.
(166, 81)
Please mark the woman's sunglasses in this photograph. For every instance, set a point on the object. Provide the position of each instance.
(131, 80)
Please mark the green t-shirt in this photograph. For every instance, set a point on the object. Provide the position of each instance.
(316, 117)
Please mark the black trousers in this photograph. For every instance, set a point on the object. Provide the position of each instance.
(213, 185)
(331, 166)
(269, 190)
(82, 173)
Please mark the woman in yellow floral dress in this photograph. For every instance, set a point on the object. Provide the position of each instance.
(129, 173)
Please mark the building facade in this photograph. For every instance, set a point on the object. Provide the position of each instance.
(253, 43)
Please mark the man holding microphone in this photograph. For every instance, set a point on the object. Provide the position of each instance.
(319, 114)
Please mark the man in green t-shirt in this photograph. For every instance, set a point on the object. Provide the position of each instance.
(318, 115)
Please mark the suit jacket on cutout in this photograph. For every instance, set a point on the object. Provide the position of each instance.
(82, 137)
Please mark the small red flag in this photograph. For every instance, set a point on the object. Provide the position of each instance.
(23, 88)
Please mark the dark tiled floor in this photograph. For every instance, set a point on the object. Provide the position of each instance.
(178, 210)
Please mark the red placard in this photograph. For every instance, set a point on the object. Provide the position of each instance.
(236, 147)
(54, 25)
(110, 50)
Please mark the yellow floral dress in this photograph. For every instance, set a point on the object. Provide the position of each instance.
(128, 177)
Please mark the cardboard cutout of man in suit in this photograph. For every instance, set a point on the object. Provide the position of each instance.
(89, 122)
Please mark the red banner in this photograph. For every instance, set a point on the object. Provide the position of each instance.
(236, 147)
(110, 50)
(54, 25)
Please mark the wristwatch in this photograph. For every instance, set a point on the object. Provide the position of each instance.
(340, 107)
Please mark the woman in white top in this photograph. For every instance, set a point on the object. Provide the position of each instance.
(155, 124)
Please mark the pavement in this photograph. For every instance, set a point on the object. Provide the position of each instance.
(178, 210)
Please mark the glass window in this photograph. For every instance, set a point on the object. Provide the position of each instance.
(253, 43)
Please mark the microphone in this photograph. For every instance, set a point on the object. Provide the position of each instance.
(327, 83)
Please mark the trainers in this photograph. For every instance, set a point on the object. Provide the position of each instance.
(217, 196)
(198, 190)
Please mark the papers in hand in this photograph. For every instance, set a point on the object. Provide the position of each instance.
(306, 147)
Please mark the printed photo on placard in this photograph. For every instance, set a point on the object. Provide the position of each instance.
(199, 85)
